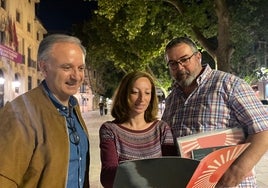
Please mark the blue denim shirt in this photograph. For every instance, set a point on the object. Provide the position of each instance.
(78, 152)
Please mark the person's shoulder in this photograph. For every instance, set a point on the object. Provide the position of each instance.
(170, 95)
(26, 104)
(108, 128)
(108, 125)
(28, 97)
(161, 123)
(162, 126)
(225, 74)
(226, 77)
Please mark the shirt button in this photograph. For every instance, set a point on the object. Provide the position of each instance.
(80, 158)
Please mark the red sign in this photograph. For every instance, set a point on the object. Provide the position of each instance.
(10, 54)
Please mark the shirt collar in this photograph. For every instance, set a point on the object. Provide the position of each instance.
(204, 75)
(57, 104)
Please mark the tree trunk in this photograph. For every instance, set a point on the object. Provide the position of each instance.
(225, 49)
(222, 53)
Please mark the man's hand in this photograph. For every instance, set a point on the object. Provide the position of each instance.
(231, 178)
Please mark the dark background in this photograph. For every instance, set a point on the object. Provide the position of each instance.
(61, 15)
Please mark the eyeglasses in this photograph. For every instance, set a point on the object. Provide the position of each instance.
(183, 61)
(73, 135)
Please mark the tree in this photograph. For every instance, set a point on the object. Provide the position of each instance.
(123, 55)
(100, 49)
(202, 20)
(132, 33)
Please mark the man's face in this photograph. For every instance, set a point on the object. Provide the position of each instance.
(64, 71)
(189, 66)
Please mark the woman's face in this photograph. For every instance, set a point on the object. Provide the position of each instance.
(140, 95)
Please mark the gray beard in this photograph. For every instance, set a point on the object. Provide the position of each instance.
(185, 81)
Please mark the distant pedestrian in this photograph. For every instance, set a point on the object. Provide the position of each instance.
(135, 133)
(101, 106)
(105, 108)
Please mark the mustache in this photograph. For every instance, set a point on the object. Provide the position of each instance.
(72, 81)
(181, 73)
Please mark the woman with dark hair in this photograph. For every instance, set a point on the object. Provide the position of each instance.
(135, 132)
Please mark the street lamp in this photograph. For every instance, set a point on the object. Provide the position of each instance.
(2, 81)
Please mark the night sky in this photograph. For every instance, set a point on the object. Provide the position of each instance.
(60, 15)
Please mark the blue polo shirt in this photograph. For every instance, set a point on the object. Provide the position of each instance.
(78, 149)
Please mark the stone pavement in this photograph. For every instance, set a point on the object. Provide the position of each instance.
(94, 121)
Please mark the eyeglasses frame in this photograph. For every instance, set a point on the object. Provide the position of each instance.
(73, 135)
(182, 61)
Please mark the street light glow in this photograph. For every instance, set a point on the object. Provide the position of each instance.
(2, 80)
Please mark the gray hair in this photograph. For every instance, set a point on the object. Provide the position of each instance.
(179, 40)
(48, 42)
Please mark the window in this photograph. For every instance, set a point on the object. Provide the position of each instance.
(3, 4)
(28, 27)
(38, 36)
(83, 88)
(29, 53)
(29, 82)
(2, 81)
(262, 45)
(16, 83)
(2, 37)
(39, 81)
(18, 16)
(266, 60)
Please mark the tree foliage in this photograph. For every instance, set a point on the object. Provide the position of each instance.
(132, 34)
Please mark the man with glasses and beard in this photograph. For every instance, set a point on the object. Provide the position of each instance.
(203, 100)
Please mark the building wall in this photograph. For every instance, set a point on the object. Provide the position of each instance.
(20, 35)
(85, 95)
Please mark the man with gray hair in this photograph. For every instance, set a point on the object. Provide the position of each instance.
(44, 140)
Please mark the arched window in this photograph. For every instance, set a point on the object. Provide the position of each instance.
(2, 79)
(16, 83)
